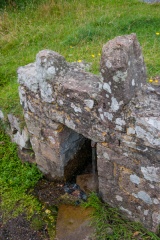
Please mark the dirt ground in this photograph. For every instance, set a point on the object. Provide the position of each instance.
(20, 228)
(49, 194)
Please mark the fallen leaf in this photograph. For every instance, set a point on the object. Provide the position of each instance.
(136, 234)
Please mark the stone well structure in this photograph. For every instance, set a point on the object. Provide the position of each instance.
(64, 105)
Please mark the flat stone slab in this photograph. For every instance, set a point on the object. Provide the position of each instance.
(73, 223)
(88, 182)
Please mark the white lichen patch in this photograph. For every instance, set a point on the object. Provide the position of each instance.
(52, 140)
(89, 103)
(129, 144)
(144, 150)
(102, 116)
(21, 139)
(22, 92)
(120, 121)
(108, 64)
(135, 179)
(27, 76)
(60, 102)
(108, 115)
(70, 124)
(51, 70)
(151, 173)
(119, 198)
(143, 134)
(130, 131)
(120, 103)
(153, 121)
(126, 210)
(93, 95)
(26, 115)
(146, 212)
(143, 196)
(100, 110)
(143, 69)
(46, 92)
(120, 76)
(155, 201)
(105, 155)
(156, 218)
(107, 88)
(133, 82)
(76, 109)
(125, 154)
(150, 88)
(30, 107)
(119, 128)
(114, 104)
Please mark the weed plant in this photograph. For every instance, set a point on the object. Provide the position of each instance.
(110, 225)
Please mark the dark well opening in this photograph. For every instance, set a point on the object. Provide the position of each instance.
(81, 161)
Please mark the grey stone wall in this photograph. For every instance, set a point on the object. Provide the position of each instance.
(117, 109)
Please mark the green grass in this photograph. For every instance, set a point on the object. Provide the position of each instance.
(75, 29)
(110, 225)
(17, 180)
